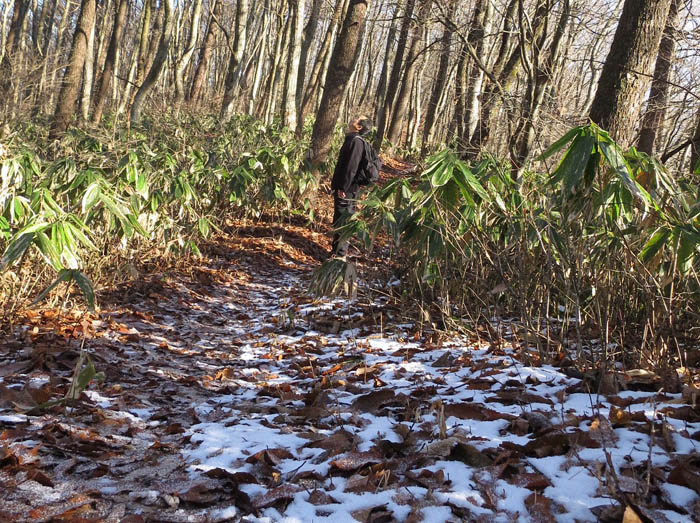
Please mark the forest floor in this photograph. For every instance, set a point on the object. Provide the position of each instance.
(229, 393)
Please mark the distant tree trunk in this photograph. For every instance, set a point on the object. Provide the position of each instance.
(440, 80)
(11, 45)
(37, 11)
(158, 63)
(88, 76)
(543, 64)
(395, 77)
(144, 38)
(184, 60)
(70, 87)
(623, 82)
(339, 73)
(658, 96)
(110, 61)
(474, 76)
(205, 52)
(401, 103)
(289, 105)
(234, 65)
(384, 76)
(309, 34)
(318, 74)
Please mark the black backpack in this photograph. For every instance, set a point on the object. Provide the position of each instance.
(368, 171)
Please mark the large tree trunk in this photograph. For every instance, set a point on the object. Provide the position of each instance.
(658, 96)
(624, 81)
(110, 61)
(158, 63)
(184, 60)
(318, 73)
(440, 83)
(205, 52)
(234, 65)
(339, 73)
(76, 62)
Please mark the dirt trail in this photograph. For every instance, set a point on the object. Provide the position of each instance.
(231, 394)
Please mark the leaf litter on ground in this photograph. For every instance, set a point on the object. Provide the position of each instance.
(232, 394)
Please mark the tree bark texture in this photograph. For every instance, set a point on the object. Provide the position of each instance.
(70, 87)
(158, 63)
(234, 65)
(110, 61)
(658, 95)
(205, 53)
(623, 80)
(338, 75)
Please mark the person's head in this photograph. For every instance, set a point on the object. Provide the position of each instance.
(361, 125)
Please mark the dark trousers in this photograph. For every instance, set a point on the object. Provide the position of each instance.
(343, 208)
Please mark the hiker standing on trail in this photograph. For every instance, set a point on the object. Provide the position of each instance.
(358, 165)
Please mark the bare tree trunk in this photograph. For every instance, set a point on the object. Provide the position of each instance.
(76, 62)
(184, 60)
(440, 80)
(540, 78)
(234, 70)
(658, 96)
(7, 66)
(205, 52)
(339, 73)
(309, 34)
(110, 61)
(314, 87)
(395, 77)
(88, 76)
(398, 112)
(481, 17)
(158, 63)
(384, 76)
(289, 104)
(623, 82)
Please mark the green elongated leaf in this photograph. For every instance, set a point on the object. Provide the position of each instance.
(471, 180)
(441, 174)
(49, 250)
(654, 244)
(91, 196)
(113, 207)
(34, 227)
(203, 224)
(697, 168)
(560, 143)
(80, 383)
(142, 185)
(16, 249)
(571, 167)
(86, 288)
(615, 159)
(133, 220)
(77, 228)
(64, 275)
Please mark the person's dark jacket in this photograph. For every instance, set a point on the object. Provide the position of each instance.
(349, 159)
